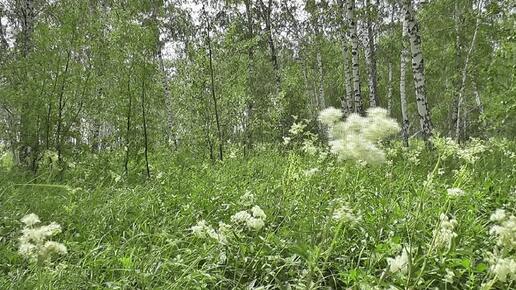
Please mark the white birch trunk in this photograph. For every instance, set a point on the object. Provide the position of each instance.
(389, 89)
(403, 90)
(371, 60)
(418, 70)
(354, 56)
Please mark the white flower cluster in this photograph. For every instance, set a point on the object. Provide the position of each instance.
(445, 234)
(311, 172)
(344, 213)
(455, 192)
(400, 263)
(253, 219)
(203, 230)
(504, 268)
(472, 152)
(357, 137)
(505, 230)
(34, 242)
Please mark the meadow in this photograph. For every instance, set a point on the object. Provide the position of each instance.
(281, 218)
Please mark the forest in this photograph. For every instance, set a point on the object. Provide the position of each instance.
(257, 144)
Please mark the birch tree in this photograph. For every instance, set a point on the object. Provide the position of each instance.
(352, 31)
(418, 69)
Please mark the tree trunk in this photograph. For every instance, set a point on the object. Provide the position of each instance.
(352, 30)
(418, 70)
(213, 95)
(270, 39)
(371, 60)
(347, 100)
(389, 89)
(403, 91)
(145, 135)
(128, 130)
(465, 74)
(3, 42)
(250, 79)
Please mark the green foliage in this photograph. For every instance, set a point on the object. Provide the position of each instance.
(122, 233)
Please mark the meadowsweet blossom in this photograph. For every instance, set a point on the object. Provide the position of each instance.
(504, 269)
(505, 230)
(203, 230)
(297, 128)
(311, 172)
(253, 219)
(455, 192)
(258, 212)
(445, 234)
(330, 115)
(345, 214)
(450, 275)
(34, 243)
(30, 220)
(357, 137)
(498, 215)
(255, 223)
(399, 263)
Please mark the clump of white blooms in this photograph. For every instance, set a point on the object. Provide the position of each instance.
(356, 138)
(311, 172)
(504, 269)
(505, 230)
(455, 192)
(34, 243)
(445, 234)
(503, 264)
(448, 278)
(253, 219)
(472, 152)
(400, 263)
(297, 128)
(203, 230)
(344, 213)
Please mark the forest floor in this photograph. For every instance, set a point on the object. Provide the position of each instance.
(275, 220)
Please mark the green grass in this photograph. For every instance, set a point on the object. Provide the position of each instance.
(125, 233)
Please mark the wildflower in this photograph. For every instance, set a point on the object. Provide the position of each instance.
(286, 140)
(30, 220)
(34, 242)
(498, 215)
(199, 229)
(203, 230)
(297, 128)
(309, 147)
(448, 278)
(445, 234)
(455, 192)
(330, 116)
(258, 212)
(399, 263)
(311, 171)
(357, 137)
(505, 231)
(253, 220)
(504, 268)
(240, 217)
(345, 214)
(255, 223)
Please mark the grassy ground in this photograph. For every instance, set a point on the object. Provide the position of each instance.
(124, 234)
